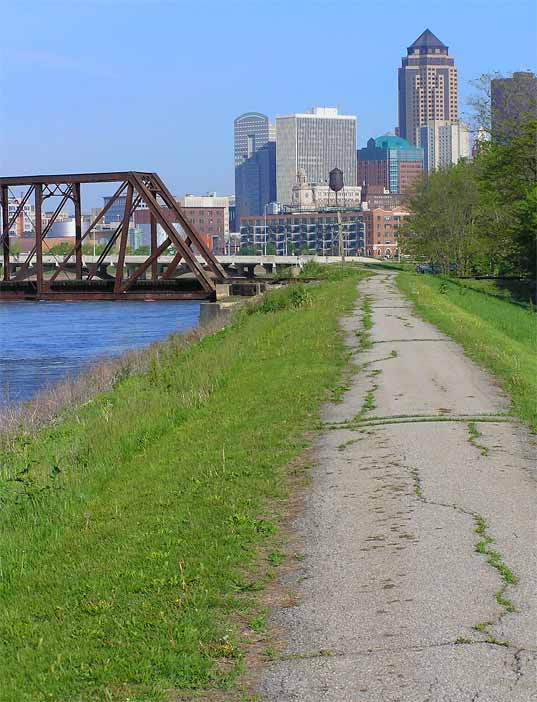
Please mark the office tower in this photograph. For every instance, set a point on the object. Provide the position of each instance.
(511, 100)
(251, 132)
(390, 161)
(255, 164)
(444, 143)
(316, 141)
(427, 86)
(255, 182)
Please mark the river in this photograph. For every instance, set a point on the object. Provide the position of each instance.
(43, 342)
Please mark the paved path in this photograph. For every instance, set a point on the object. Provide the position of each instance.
(392, 588)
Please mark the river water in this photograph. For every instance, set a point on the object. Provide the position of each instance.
(43, 342)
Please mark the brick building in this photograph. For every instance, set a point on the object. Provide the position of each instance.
(382, 231)
(209, 221)
(390, 162)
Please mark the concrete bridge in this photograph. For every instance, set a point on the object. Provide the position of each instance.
(234, 265)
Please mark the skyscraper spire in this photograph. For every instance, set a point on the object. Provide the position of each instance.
(428, 88)
(427, 40)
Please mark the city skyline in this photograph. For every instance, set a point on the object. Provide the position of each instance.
(99, 109)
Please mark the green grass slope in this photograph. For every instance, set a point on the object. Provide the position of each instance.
(499, 335)
(125, 526)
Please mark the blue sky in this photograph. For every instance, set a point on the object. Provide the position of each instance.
(155, 85)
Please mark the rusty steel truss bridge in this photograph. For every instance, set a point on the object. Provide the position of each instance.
(71, 279)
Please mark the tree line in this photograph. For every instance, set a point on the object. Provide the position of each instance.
(479, 216)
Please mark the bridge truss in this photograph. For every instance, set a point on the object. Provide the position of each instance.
(70, 279)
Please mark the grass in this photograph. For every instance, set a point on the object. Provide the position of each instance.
(127, 525)
(473, 435)
(494, 559)
(500, 336)
(522, 291)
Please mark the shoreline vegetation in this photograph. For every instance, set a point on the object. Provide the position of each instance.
(131, 523)
(52, 402)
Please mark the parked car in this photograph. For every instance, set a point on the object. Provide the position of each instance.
(427, 268)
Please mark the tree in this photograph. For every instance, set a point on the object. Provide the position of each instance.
(507, 172)
(60, 249)
(271, 249)
(444, 221)
(14, 247)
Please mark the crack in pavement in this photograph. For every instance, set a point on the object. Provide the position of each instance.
(380, 563)
(329, 653)
(352, 424)
(406, 341)
(494, 561)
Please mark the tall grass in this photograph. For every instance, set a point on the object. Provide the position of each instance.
(126, 526)
(499, 335)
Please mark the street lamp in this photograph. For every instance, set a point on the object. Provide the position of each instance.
(265, 237)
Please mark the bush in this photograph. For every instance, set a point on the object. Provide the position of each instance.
(292, 297)
(328, 271)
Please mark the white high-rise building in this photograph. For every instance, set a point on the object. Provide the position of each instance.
(444, 143)
(314, 142)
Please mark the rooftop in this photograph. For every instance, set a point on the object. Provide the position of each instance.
(427, 40)
(390, 141)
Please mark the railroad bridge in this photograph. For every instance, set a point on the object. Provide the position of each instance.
(74, 276)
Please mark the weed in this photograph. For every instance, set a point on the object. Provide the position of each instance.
(271, 653)
(292, 297)
(504, 602)
(276, 558)
(482, 626)
(258, 624)
(494, 559)
(475, 434)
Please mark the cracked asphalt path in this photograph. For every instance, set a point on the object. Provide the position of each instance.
(391, 586)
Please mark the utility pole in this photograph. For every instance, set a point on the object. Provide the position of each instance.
(340, 235)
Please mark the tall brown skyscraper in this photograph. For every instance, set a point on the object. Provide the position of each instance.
(427, 86)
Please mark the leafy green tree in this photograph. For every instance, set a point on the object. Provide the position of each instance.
(61, 249)
(444, 222)
(143, 251)
(507, 172)
(271, 249)
(14, 247)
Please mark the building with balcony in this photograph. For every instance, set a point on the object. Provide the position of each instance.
(314, 232)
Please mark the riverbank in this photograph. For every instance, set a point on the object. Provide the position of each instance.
(499, 335)
(43, 343)
(128, 525)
